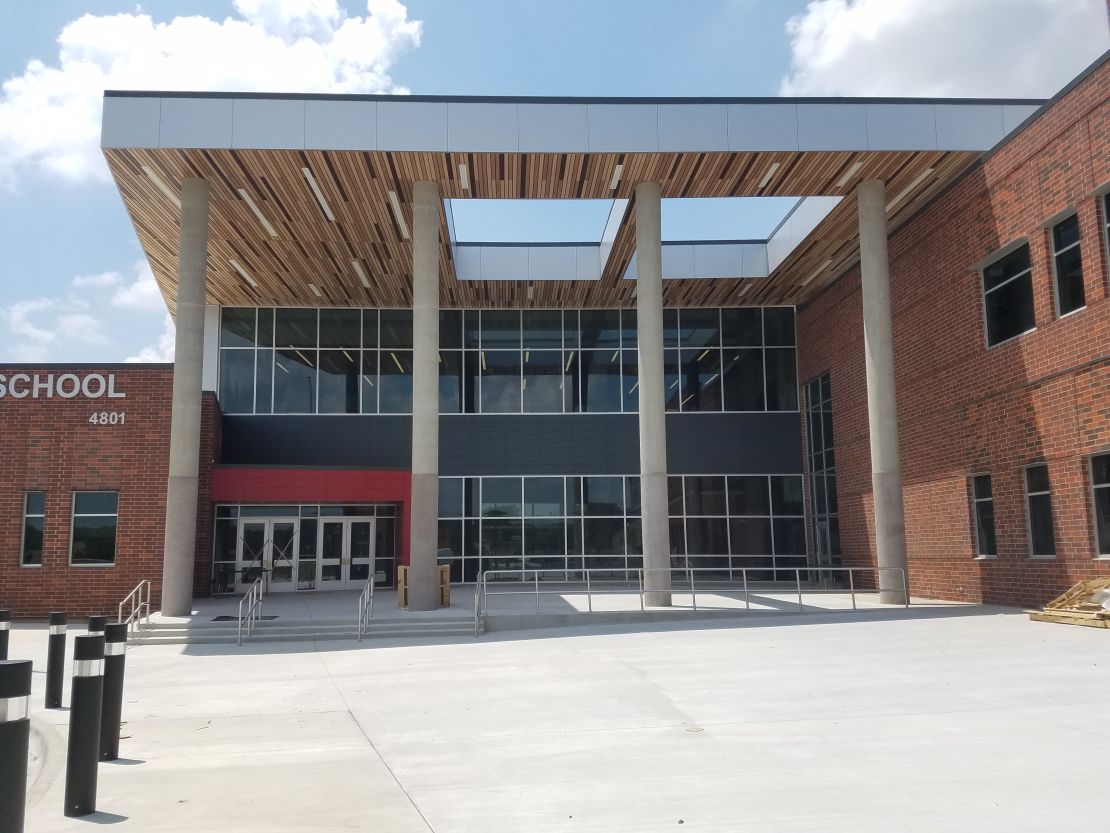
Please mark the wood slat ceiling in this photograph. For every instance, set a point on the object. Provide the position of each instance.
(310, 249)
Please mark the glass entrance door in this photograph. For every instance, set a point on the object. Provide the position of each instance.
(266, 548)
(346, 553)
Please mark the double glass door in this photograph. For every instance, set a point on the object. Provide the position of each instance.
(341, 557)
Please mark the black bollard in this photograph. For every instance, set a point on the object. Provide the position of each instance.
(55, 661)
(84, 725)
(15, 731)
(115, 659)
(5, 631)
(97, 625)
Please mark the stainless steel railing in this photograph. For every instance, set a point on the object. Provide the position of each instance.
(692, 580)
(138, 603)
(253, 613)
(365, 607)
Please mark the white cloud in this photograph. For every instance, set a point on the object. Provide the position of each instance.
(162, 349)
(80, 328)
(33, 341)
(98, 281)
(142, 293)
(50, 114)
(1003, 48)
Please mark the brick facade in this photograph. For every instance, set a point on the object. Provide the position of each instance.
(49, 445)
(963, 409)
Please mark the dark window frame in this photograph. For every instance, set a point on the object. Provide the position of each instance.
(975, 501)
(1057, 254)
(72, 526)
(1024, 274)
(23, 562)
(1101, 548)
(1029, 496)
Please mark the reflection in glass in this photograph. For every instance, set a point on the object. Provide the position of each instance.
(543, 381)
(237, 327)
(450, 497)
(701, 380)
(603, 536)
(450, 329)
(672, 390)
(750, 536)
(543, 496)
(501, 329)
(743, 379)
(339, 382)
(601, 328)
(295, 381)
(706, 536)
(601, 380)
(544, 536)
(742, 327)
(295, 327)
(747, 495)
(778, 326)
(699, 328)
(630, 381)
(395, 381)
(542, 329)
(603, 495)
(340, 328)
(264, 382)
(501, 497)
(502, 538)
(236, 381)
(782, 385)
(369, 381)
(450, 381)
(500, 381)
(705, 495)
(395, 329)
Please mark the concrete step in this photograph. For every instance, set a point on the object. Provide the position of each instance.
(214, 633)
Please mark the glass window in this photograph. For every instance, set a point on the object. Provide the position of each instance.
(501, 497)
(94, 527)
(743, 380)
(237, 327)
(264, 382)
(603, 536)
(706, 495)
(670, 328)
(1100, 487)
(747, 495)
(778, 326)
(395, 329)
(601, 328)
(701, 379)
(237, 381)
(369, 381)
(630, 381)
(742, 327)
(395, 381)
(750, 536)
(340, 328)
(786, 495)
(706, 536)
(501, 538)
(450, 540)
(543, 496)
(266, 327)
(450, 497)
(450, 329)
(782, 380)
(34, 520)
(632, 495)
(543, 329)
(603, 496)
(628, 328)
(1038, 499)
(983, 502)
(543, 381)
(544, 536)
(1068, 265)
(501, 381)
(294, 381)
(450, 381)
(295, 327)
(789, 536)
(339, 382)
(601, 380)
(1008, 296)
(370, 328)
(699, 327)
(500, 329)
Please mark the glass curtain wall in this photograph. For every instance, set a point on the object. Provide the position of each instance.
(349, 361)
(822, 472)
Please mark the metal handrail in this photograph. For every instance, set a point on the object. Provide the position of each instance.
(253, 601)
(365, 607)
(529, 581)
(139, 598)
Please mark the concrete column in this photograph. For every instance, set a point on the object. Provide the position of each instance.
(424, 505)
(181, 491)
(653, 416)
(882, 404)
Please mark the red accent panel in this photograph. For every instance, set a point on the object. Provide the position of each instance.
(277, 485)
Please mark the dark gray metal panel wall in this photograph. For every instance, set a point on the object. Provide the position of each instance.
(488, 444)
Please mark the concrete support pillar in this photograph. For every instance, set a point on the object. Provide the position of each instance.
(882, 404)
(424, 505)
(653, 416)
(181, 491)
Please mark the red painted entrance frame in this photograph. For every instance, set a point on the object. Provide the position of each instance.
(232, 484)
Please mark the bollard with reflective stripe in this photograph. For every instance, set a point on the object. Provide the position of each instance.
(115, 659)
(5, 631)
(84, 725)
(56, 661)
(97, 624)
(15, 731)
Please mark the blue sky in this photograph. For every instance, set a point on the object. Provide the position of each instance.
(72, 286)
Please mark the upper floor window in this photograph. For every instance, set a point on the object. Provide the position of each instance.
(1008, 296)
(94, 528)
(1038, 501)
(1100, 492)
(34, 518)
(982, 499)
(1067, 265)
(349, 361)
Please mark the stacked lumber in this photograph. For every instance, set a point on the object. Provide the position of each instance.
(1087, 603)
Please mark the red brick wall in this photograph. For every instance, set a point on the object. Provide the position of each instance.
(962, 408)
(48, 445)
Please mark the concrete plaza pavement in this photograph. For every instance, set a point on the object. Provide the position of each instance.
(959, 719)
